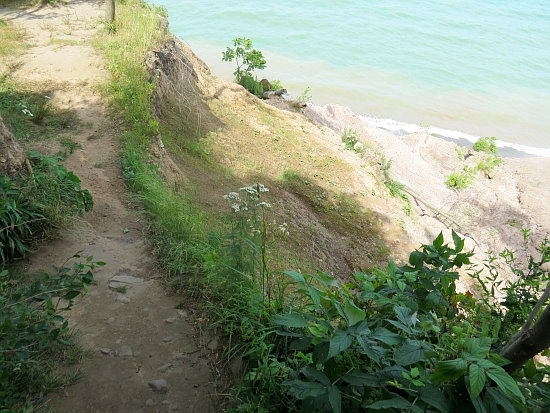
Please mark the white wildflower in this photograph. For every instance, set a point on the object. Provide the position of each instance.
(249, 190)
(232, 196)
(284, 228)
(262, 188)
(264, 204)
(27, 112)
(236, 207)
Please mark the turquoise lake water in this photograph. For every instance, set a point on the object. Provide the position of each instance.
(479, 67)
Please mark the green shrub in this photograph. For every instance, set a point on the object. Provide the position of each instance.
(34, 336)
(252, 85)
(486, 144)
(276, 85)
(488, 164)
(461, 180)
(402, 339)
(349, 138)
(35, 206)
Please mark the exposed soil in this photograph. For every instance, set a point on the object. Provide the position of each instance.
(129, 323)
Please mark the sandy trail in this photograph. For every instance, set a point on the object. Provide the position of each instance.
(136, 334)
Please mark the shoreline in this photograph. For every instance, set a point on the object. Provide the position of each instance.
(327, 94)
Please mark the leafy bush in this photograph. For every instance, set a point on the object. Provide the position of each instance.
(246, 57)
(276, 85)
(488, 164)
(252, 85)
(486, 144)
(399, 339)
(461, 180)
(34, 206)
(34, 336)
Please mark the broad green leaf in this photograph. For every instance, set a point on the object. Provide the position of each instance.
(304, 389)
(449, 370)
(477, 379)
(434, 397)
(360, 329)
(315, 374)
(397, 402)
(296, 276)
(500, 400)
(353, 313)
(340, 342)
(438, 242)
(416, 259)
(478, 347)
(386, 336)
(371, 351)
(335, 399)
(315, 295)
(289, 320)
(326, 279)
(391, 268)
(405, 315)
(408, 354)
(476, 401)
(459, 242)
(505, 383)
(71, 294)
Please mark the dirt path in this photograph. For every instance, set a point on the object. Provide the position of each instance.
(136, 334)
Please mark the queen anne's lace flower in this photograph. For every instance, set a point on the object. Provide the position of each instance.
(232, 195)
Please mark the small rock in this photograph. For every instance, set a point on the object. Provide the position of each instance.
(159, 386)
(124, 351)
(179, 356)
(149, 402)
(266, 84)
(114, 285)
(165, 367)
(213, 344)
(105, 351)
(183, 313)
(170, 320)
(195, 385)
(165, 402)
(174, 406)
(121, 298)
(168, 339)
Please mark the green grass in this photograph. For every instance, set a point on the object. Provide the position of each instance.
(29, 113)
(12, 39)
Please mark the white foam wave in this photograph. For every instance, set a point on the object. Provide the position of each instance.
(403, 128)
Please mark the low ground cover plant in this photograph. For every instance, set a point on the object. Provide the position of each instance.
(35, 206)
(35, 339)
(486, 144)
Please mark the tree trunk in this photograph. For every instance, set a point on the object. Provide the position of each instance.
(110, 11)
(12, 157)
(528, 343)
